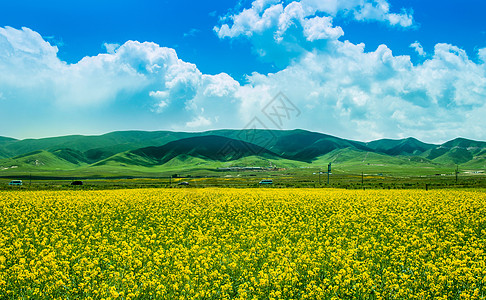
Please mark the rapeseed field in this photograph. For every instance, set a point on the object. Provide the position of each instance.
(243, 244)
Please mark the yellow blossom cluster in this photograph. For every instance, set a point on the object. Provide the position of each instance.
(243, 244)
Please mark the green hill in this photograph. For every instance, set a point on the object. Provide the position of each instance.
(211, 147)
(71, 156)
(456, 152)
(465, 143)
(40, 160)
(357, 161)
(454, 156)
(140, 152)
(296, 144)
(95, 147)
(477, 163)
(408, 146)
(3, 154)
(308, 146)
(4, 141)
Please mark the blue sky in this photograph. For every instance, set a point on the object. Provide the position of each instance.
(358, 69)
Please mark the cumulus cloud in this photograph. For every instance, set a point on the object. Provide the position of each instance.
(281, 31)
(359, 94)
(199, 123)
(482, 54)
(273, 16)
(379, 10)
(27, 60)
(221, 85)
(340, 89)
(134, 74)
(365, 95)
(418, 48)
(162, 99)
(278, 17)
(320, 28)
(111, 47)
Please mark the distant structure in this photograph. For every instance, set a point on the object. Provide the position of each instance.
(272, 168)
(241, 169)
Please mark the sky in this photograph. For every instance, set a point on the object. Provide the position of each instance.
(357, 69)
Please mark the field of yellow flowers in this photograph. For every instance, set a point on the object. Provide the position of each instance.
(243, 244)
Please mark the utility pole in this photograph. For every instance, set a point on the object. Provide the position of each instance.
(362, 179)
(319, 177)
(328, 172)
(457, 172)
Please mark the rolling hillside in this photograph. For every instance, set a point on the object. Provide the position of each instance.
(408, 146)
(94, 147)
(459, 151)
(126, 151)
(43, 160)
(4, 141)
(211, 147)
(296, 144)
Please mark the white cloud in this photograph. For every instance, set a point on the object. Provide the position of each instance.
(418, 48)
(161, 95)
(274, 16)
(111, 47)
(363, 95)
(27, 42)
(278, 19)
(136, 75)
(251, 21)
(340, 89)
(282, 31)
(320, 28)
(192, 32)
(482, 54)
(361, 10)
(27, 60)
(221, 85)
(379, 10)
(404, 20)
(261, 5)
(199, 123)
(162, 98)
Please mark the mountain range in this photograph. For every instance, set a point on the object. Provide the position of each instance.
(139, 152)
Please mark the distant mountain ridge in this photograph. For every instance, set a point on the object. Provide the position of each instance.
(157, 148)
(408, 146)
(210, 147)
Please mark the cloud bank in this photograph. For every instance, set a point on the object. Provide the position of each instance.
(337, 86)
(275, 15)
(137, 75)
